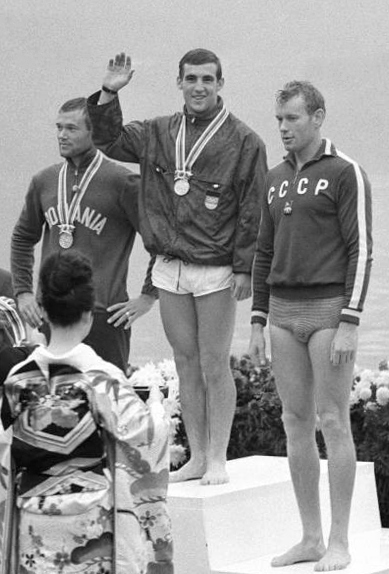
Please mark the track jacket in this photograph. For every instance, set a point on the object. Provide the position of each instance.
(105, 227)
(315, 235)
(229, 174)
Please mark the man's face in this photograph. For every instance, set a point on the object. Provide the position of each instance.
(298, 129)
(200, 88)
(74, 138)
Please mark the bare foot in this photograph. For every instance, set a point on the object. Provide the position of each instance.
(216, 474)
(189, 471)
(302, 552)
(336, 558)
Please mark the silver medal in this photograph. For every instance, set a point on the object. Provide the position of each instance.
(66, 239)
(181, 186)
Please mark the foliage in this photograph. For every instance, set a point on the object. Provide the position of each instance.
(257, 426)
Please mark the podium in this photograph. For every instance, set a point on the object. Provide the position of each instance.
(236, 528)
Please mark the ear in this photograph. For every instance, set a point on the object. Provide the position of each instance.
(318, 117)
(220, 84)
(179, 83)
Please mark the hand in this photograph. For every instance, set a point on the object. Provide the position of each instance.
(29, 310)
(257, 345)
(241, 286)
(119, 72)
(128, 312)
(35, 337)
(344, 345)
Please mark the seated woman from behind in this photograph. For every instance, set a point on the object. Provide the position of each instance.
(90, 457)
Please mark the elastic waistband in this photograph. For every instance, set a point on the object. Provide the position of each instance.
(308, 292)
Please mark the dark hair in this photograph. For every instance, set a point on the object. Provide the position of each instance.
(66, 287)
(313, 99)
(198, 57)
(77, 104)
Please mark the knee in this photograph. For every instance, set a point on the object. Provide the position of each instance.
(187, 362)
(334, 425)
(215, 365)
(300, 426)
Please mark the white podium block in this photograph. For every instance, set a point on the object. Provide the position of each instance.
(254, 515)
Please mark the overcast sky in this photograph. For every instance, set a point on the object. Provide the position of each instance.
(53, 50)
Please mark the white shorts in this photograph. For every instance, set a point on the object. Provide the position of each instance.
(184, 278)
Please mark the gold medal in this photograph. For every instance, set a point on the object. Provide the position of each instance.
(65, 239)
(181, 186)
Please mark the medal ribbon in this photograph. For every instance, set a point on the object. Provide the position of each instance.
(184, 165)
(67, 213)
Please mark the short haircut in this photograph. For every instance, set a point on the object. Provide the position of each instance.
(313, 99)
(198, 57)
(77, 104)
(66, 287)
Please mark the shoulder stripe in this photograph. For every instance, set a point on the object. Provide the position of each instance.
(357, 293)
(328, 145)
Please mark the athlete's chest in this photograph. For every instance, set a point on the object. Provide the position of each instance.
(301, 192)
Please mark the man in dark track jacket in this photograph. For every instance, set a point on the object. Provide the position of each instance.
(90, 204)
(311, 273)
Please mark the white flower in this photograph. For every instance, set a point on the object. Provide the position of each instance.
(168, 369)
(382, 396)
(177, 455)
(382, 380)
(370, 406)
(367, 377)
(354, 398)
(365, 394)
(171, 406)
(146, 376)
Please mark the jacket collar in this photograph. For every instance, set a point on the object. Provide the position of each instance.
(204, 120)
(326, 148)
(86, 159)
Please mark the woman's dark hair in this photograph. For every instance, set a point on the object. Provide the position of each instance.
(66, 287)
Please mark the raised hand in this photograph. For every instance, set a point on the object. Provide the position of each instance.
(119, 72)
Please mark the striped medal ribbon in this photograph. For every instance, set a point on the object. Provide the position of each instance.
(67, 213)
(184, 165)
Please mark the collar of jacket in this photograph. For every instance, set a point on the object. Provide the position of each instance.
(326, 148)
(204, 120)
(86, 158)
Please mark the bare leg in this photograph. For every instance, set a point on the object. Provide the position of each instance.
(216, 321)
(333, 384)
(179, 319)
(294, 379)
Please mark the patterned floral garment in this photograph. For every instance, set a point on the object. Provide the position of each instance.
(91, 460)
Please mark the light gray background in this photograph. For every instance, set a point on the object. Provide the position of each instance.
(53, 50)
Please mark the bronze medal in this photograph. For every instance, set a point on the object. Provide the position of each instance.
(65, 239)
